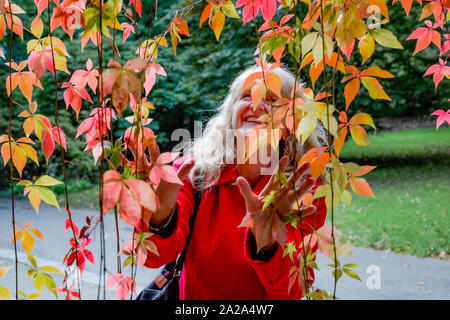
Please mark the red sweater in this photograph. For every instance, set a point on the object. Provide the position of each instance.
(218, 263)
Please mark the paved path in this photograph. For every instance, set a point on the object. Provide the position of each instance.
(400, 276)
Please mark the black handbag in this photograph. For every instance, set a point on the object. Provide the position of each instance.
(166, 285)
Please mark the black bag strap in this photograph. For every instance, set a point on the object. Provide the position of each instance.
(177, 265)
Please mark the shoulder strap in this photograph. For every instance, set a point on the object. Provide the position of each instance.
(180, 260)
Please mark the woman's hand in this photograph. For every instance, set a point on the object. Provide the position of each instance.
(286, 200)
(168, 193)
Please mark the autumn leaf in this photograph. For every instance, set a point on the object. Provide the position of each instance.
(132, 195)
(386, 38)
(73, 96)
(442, 117)
(82, 77)
(439, 71)
(119, 82)
(177, 27)
(367, 77)
(66, 15)
(21, 151)
(137, 6)
(38, 191)
(124, 284)
(252, 8)
(127, 29)
(24, 79)
(162, 169)
(109, 13)
(426, 35)
(361, 187)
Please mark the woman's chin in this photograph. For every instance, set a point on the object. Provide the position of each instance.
(246, 127)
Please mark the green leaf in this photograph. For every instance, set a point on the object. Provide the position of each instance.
(315, 295)
(47, 196)
(270, 198)
(337, 274)
(5, 294)
(386, 38)
(50, 269)
(351, 265)
(49, 283)
(289, 250)
(38, 281)
(229, 10)
(47, 181)
(30, 273)
(351, 273)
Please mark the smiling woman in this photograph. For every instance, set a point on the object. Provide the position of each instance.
(236, 243)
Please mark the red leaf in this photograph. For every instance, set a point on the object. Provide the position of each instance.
(48, 145)
(442, 117)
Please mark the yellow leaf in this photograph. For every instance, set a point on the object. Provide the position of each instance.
(359, 135)
(375, 89)
(37, 27)
(366, 47)
(3, 271)
(47, 181)
(217, 23)
(5, 294)
(27, 242)
(47, 196)
(386, 38)
(35, 199)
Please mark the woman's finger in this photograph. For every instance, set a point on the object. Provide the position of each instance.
(185, 168)
(307, 211)
(251, 200)
(281, 166)
(299, 191)
(299, 174)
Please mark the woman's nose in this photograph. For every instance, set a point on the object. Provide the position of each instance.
(264, 106)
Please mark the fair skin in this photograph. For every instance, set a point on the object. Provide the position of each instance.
(244, 119)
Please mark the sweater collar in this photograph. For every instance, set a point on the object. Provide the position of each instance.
(229, 175)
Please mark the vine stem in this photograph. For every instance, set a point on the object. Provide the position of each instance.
(329, 145)
(11, 169)
(102, 158)
(63, 162)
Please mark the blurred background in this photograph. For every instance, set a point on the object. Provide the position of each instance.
(411, 181)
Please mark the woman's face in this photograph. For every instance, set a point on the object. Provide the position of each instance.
(245, 117)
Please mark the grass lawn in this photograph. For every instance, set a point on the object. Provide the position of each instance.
(415, 147)
(410, 212)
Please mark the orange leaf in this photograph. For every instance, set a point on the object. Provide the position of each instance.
(376, 71)
(350, 91)
(366, 47)
(359, 135)
(362, 118)
(273, 82)
(361, 187)
(318, 166)
(217, 23)
(340, 140)
(206, 14)
(27, 241)
(375, 89)
(19, 159)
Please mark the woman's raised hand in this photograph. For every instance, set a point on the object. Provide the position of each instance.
(285, 202)
(168, 193)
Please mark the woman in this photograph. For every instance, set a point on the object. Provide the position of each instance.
(224, 261)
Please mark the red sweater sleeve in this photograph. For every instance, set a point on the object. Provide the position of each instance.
(274, 273)
(169, 247)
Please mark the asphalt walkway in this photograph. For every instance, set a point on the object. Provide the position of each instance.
(384, 275)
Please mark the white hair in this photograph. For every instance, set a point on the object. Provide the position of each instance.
(215, 148)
